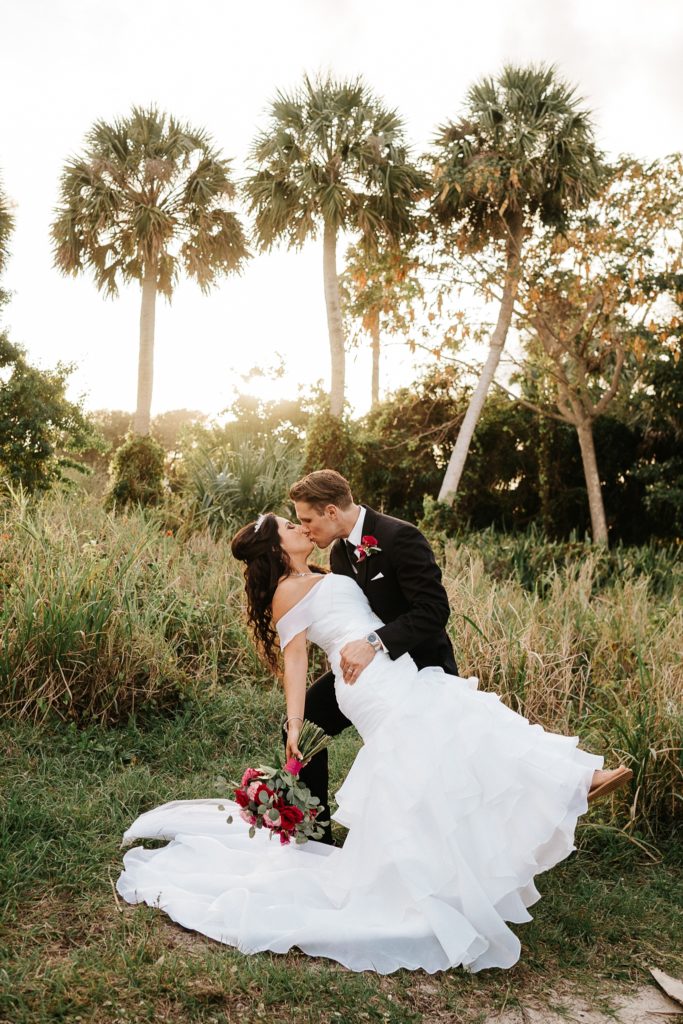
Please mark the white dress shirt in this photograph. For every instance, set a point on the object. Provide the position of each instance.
(356, 535)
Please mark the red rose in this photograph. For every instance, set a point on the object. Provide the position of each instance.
(241, 798)
(262, 789)
(369, 541)
(290, 817)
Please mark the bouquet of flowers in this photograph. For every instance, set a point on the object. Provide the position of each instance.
(275, 799)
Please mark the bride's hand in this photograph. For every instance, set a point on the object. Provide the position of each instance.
(293, 731)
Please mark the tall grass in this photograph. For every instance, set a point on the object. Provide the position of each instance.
(103, 615)
(604, 663)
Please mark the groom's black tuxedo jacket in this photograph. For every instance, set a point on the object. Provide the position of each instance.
(403, 584)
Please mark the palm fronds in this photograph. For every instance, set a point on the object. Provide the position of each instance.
(147, 190)
(331, 153)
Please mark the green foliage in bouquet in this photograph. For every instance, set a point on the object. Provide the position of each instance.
(275, 799)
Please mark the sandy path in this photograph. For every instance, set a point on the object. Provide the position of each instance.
(645, 1006)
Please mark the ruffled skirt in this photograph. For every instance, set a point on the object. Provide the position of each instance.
(454, 804)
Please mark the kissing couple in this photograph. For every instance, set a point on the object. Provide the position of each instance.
(454, 802)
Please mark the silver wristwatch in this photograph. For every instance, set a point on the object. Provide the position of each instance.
(374, 642)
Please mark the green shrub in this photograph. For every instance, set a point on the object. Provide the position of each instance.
(137, 472)
(41, 432)
(331, 444)
(230, 485)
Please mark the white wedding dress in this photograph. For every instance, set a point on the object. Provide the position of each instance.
(453, 805)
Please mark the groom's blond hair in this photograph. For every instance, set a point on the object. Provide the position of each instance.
(321, 488)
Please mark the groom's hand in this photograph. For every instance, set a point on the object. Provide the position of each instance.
(354, 657)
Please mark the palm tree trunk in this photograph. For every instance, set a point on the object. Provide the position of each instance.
(146, 353)
(334, 320)
(374, 334)
(590, 470)
(456, 463)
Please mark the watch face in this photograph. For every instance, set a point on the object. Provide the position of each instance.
(372, 638)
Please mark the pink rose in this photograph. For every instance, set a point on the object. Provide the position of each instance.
(247, 816)
(251, 773)
(294, 766)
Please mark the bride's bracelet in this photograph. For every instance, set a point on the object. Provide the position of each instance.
(294, 718)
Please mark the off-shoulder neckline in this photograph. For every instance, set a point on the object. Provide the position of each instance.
(314, 586)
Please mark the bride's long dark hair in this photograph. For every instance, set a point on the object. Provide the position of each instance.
(266, 563)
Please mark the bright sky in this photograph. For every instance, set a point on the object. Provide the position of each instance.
(65, 63)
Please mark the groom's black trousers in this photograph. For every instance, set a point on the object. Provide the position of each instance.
(321, 708)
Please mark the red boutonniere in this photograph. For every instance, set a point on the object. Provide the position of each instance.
(368, 545)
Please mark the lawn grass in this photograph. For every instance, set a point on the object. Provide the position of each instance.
(71, 951)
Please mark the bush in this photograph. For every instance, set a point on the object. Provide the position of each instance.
(227, 486)
(137, 471)
(40, 430)
(331, 444)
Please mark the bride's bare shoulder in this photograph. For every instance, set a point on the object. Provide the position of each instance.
(289, 592)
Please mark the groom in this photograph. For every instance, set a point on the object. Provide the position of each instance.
(393, 564)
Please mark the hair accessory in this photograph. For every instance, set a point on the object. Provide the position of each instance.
(259, 521)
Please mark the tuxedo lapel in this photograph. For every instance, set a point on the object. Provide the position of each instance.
(339, 559)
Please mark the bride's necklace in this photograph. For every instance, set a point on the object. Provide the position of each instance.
(301, 574)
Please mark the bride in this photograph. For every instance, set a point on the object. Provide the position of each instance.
(453, 804)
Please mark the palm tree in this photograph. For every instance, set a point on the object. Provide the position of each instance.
(333, 158)
(146, 200)
(523, 153)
